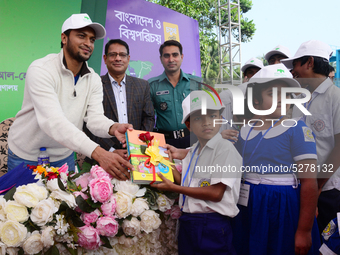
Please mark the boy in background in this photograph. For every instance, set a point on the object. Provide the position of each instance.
(208, 197)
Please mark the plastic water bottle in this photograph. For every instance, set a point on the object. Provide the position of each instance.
(43, 158)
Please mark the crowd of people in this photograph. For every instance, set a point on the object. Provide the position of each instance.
(68, 108)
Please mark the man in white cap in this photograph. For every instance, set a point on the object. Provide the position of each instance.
(310, 66)
(275, 55)
(61, 92)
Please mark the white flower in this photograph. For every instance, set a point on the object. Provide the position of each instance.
(15, 211)
(52, 185)
(164, 203)
(128, 187)
(3, 248)
(26, 195)
(149, 221)
(13, 233)
(39, 191)
(47, 235)
(128, 242)
(2, 208)
(61, 225)
(124, 204)
(43, 212)
(63, 177)
(33, 244)
(64, 196)
(12, 251)
(139, 206)
(131, 227)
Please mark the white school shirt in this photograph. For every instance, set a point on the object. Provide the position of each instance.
(217, 152)
(325, 123)
(120, 97)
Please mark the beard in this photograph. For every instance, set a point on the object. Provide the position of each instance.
(76, 54)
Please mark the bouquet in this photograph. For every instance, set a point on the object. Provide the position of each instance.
(84, 213)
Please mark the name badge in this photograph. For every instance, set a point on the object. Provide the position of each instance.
(164, 92)
(244, 194)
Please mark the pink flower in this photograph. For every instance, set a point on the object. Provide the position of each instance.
(83, 181)
(89, 237)
(101, 189)
(63, 168)
(79, 193)
(109, 207)
(179, 168)
(175, 212)
(91, 217)
(98, 172)
(107, 226)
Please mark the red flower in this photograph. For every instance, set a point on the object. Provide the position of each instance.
(51, 175)
(146, 137)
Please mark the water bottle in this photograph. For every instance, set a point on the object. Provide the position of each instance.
(43, 158)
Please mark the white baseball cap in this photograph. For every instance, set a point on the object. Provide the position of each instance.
(274, 72)
(81, 20)
(279, 49)
(310, 48)
(193, 103)
(252, 62)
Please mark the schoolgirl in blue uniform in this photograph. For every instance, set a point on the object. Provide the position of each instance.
(277, 215)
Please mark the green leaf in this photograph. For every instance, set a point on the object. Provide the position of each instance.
(77, 222)
(83, 205)
(21, 251)
(106, 242)
(9, 195)
(63, 207)
(143, 148)
(61, 184)
(72, 251)
(93, 204)
(52, 251)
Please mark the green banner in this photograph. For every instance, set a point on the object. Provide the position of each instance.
(29, 30)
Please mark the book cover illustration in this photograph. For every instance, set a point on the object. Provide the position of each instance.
(145, 172)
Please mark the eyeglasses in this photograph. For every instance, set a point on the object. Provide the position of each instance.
(115, 54)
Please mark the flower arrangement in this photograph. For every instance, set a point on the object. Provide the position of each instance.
(85, 213)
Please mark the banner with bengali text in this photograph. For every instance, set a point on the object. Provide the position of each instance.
(145, 26)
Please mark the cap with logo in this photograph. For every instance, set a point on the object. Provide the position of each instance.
(274, 72)
(279, 49)
(310, 48)
(81, 20)
(194, 101)
(252, 62)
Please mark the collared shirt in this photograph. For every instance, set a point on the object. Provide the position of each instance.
(167, 99)
(218, 155)
(120, 97)
(325, 124)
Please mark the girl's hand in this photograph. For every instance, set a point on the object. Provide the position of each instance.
(166, 185)
(303, 242)
(231, 135)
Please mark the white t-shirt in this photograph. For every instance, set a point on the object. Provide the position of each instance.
(325, 123)
(218, 154)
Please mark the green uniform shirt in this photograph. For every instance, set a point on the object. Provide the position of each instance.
(167, 99)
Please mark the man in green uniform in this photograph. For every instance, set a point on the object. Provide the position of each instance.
(167, 93)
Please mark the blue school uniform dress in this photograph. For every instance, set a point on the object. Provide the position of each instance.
(331, 238)
(204, 227)
(268, 223)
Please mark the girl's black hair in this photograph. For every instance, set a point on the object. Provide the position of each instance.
(257, 95)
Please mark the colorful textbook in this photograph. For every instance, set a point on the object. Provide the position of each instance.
(141, 157)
